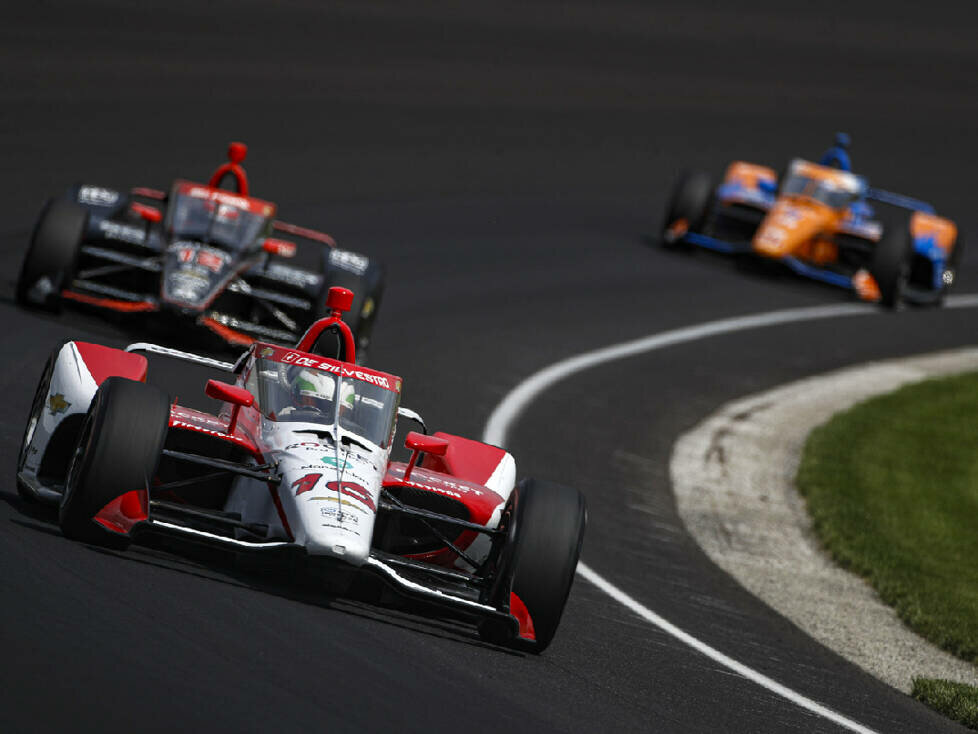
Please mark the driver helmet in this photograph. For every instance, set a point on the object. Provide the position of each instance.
(312, 389)
(315, 389)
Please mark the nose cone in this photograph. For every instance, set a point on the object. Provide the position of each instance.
(331, 500)
(192, 272)
(789, 226)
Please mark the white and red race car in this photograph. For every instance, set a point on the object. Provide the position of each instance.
(299, 458)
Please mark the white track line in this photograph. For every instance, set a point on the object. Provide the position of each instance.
(509, 410)
(759, 678)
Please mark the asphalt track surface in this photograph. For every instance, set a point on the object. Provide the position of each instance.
(506, 161)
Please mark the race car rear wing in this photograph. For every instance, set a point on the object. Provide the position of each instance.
(904, 202)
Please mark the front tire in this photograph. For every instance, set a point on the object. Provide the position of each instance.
(690, 203)
(118, 451)
(550, 521)
(952, 266)
(891, 261)
(50, 260)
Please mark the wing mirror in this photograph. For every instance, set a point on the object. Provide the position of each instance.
(418, 443)
(282, 248)
(147, 213)
(237, 396)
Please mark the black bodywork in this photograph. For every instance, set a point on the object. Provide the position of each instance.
(126, 262)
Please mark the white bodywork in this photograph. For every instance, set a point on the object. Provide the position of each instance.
(320, 491)
(329, 492)
(70, 393)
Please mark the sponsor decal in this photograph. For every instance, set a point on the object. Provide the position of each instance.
(347, 472)
(351, 489)
(267, 352)
(306, 483)
(345, 503)
(180, 413)
(57, 403)
(331, 461)
(187, 285)
(210, 260)
(205, 258)
(122, 232)
(430, 488)
(200, 192)
(439, 483)
(97, 196)
(354, 490)
(293, 276)
(331, 511)
(308, 445)
(336, 526)
(336, 369)
(201, 429)
(346, 260)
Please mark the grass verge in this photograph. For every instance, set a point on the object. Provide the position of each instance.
(955, 700)
(892, 488)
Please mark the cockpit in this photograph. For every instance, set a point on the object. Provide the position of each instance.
(836, 189)
(202, 214)
(311, 394)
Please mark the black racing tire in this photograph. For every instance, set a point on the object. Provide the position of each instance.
(891, 260)
(118, 451)
(691, 199)
(37, 410)
(367, 315)
(52, 255)
(550, 521)
(368, 290)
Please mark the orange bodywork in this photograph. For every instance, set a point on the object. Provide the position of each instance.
(816, 205)
(801, 226)
(798, 226)
(943, 231)
(749, 175)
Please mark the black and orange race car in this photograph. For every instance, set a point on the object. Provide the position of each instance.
(821, 221)
(200, 253)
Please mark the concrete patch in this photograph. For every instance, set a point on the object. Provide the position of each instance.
(733, 476)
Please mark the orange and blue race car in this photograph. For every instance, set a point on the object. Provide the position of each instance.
(823, 222)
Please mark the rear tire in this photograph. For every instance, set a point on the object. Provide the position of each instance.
(891, 261)
(691, 199)
(368, 289)
(52, 254)
(550, 521)
(118, 451)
